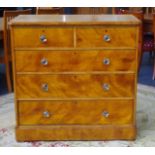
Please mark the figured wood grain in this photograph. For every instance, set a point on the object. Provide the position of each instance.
(62, 61)
(70, 85)
(76, 132)
(30, 36)
(124, 36)
(75, 76)
(76, 112)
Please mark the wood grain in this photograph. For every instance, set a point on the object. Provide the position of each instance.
(76, 132)
(124, 36)
(30, 36)
(76, 112)
(75, 74)
(88, 60)
(70, 85)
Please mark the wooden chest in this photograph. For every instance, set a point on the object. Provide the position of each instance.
(75, 76)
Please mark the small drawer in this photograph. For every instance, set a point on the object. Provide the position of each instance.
(75, 85)
(76, 112)
(106, 36)
(61, 61)
(33, 37)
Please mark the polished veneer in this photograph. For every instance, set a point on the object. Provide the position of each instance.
(75, 76)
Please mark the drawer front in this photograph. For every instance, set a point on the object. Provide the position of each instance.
(43, 37)
(59, 61)
(106, 37)
(76, 112)
(78, 85)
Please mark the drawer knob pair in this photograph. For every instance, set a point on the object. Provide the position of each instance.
(105, 114)
(105, 87)
(44, 61)
(46, 114)
(106, 61)
(43, 39)
(106, 38)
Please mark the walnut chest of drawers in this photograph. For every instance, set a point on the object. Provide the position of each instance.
(75, 76)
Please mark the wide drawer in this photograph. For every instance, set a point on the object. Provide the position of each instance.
(93, 60)
(76, 112)
(106, 36)
(75, 85)
(43, 37)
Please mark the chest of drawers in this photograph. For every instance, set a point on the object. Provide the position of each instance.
(75, 76)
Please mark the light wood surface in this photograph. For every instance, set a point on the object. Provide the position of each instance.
(76, 112)
(81, 37)
(54, 35)
(67, 86)
(76, 132)
(75, 81)
(94, 36)
(75, 60)
(75, 20)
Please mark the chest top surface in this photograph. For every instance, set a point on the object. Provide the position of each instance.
(75, 20)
